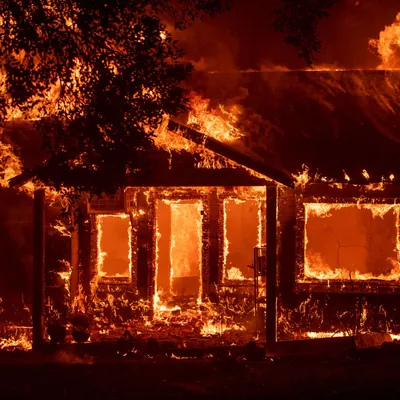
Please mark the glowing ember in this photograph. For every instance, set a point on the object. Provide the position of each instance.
(211, 328)
(388, 45)
(322, 335)
(395, 336)
(218, 123)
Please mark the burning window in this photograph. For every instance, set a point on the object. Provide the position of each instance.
(179, 248)
(114, 246)
(242, 232)
(351, 241)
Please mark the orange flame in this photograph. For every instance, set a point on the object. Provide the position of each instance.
(388, 45)
(316, 268)
(218, 123)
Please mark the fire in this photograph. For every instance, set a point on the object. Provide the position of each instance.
(16, 338)
(211, 328)
(365, 174)
(102, 255)
(173, 141)
(302, 178)
(388, 45)
(235, 274)
(239, 207)
(185, 253)
(11, 166)
(316, 268)
(218, 123)
(62, 229)
(184, 235)
(19, 343)
(322, 335)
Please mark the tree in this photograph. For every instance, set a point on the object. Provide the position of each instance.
(298, 20)
(100, 75)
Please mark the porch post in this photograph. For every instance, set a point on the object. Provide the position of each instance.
(271, 320)
(74, 262)
(38, 301)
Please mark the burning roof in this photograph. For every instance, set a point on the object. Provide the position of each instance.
(329, 120)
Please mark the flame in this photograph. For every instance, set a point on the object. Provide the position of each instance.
(62, 228)
(322, 335)
(185, 249)
(10, 167)
(218, 123)
(302, 178)
(316, 268)
(211, 328)
(188, 236)
(388, 45)
(101, 255)
(365, 174)
(18, 338)
(235, 274)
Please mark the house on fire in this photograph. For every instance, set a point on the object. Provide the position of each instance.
(318, 252)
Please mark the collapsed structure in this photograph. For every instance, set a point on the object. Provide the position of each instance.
(219, 236)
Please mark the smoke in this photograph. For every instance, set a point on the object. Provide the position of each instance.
(244, 38)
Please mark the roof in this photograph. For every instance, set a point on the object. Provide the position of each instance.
(329, 121)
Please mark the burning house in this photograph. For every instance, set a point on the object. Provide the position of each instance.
(222, 237)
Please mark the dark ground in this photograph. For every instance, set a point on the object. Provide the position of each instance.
(369, 375)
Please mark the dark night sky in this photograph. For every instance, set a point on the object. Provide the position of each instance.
(244, 37)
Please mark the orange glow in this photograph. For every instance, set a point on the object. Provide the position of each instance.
(351, 242)
(18, 338)
(302, 178)
(322, 335)
(211, 328)
(218, 123)
(10, 167)
(242, 232)
(174, 141)
(178, 251)
(185, 253)
(388, 45)
(114, 235)
(235, 274)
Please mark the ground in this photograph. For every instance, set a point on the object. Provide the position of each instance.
(65, 376)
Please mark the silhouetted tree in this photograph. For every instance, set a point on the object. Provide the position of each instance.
(100, 75)
(298, 20)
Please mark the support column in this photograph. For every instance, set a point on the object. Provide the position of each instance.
(74, 262)
(38, 301)
(214, 239)
(144, 277)
(271, 320)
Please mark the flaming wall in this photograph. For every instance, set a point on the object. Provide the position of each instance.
(170, 227)
(338, 271)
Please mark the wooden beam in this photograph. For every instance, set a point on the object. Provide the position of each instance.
(74, 262)
(232, 154)
(143, 250)
(271, 320)
(214, 240)
(38, 303)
